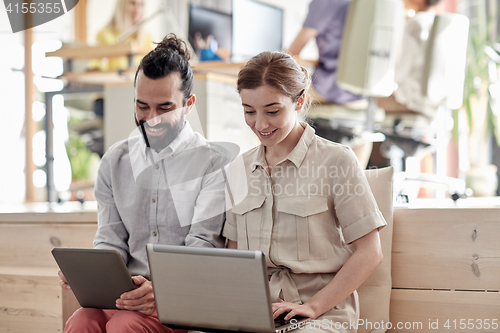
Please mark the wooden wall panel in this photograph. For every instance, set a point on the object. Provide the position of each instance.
(29, 245)
(411, 307)
(437, 249)
(30, 300)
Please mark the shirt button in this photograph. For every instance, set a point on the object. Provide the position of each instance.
(154, 200)
(154, 233)
(157, 166)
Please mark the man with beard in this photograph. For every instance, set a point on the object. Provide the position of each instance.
(162, 186)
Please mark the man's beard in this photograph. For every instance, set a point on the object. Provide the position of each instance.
(161, 142)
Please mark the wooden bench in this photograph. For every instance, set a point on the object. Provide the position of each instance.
(445, 268)
(31, 299)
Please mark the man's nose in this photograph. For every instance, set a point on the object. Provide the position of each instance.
(153, 119)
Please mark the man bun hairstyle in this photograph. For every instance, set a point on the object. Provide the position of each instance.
(278, 70)
(170, 55)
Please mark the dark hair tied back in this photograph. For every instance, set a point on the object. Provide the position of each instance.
(175, 45)
(170, 55)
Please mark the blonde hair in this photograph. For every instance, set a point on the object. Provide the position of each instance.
(278, 70)
(121, 21)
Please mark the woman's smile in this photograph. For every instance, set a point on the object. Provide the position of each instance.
(266, 134)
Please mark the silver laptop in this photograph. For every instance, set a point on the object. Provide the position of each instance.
(213, 290)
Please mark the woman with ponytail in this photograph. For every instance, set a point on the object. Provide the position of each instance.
(305, 202)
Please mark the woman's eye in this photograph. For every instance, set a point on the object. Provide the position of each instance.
(273, 112)
(249, 111)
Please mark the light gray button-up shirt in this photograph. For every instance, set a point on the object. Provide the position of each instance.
(175, 197)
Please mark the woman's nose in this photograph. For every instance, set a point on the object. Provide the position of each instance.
(261, 123)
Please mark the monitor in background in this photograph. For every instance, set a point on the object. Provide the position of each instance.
(257, 27)
(209, 22)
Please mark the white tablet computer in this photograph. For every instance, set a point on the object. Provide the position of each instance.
(96, 277)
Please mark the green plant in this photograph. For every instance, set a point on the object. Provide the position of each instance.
(80, 157)
(482, 34)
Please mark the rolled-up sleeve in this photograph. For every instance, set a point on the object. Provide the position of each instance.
(355, 205)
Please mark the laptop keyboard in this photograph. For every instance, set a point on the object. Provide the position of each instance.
(280, 320)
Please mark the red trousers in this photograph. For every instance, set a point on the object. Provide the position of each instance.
(87, 320)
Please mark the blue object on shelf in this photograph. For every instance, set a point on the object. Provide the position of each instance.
(208, 55)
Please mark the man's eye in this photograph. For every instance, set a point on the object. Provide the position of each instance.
(142, 107)
(164, 110)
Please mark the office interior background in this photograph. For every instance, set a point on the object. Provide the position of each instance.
(471, 153)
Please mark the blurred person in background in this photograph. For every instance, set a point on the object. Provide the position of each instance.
(127, 13)
(325, 22)
(409, 68)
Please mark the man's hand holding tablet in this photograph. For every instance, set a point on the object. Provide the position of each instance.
(100, 279)
(141, 299)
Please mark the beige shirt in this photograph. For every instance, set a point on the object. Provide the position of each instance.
(303, 215)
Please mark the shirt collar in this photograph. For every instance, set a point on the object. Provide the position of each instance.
(296, 156)
(260, 160)
(140, 155)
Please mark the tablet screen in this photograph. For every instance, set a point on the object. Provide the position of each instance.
(96, 277)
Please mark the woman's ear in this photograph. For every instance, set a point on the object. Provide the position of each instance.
(190, 104)
(300, 102)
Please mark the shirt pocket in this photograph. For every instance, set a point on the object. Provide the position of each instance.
(248, 215)
(301, 228)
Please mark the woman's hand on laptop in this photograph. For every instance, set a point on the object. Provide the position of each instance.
(64, 284)
(293, 310)
(141, 299)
